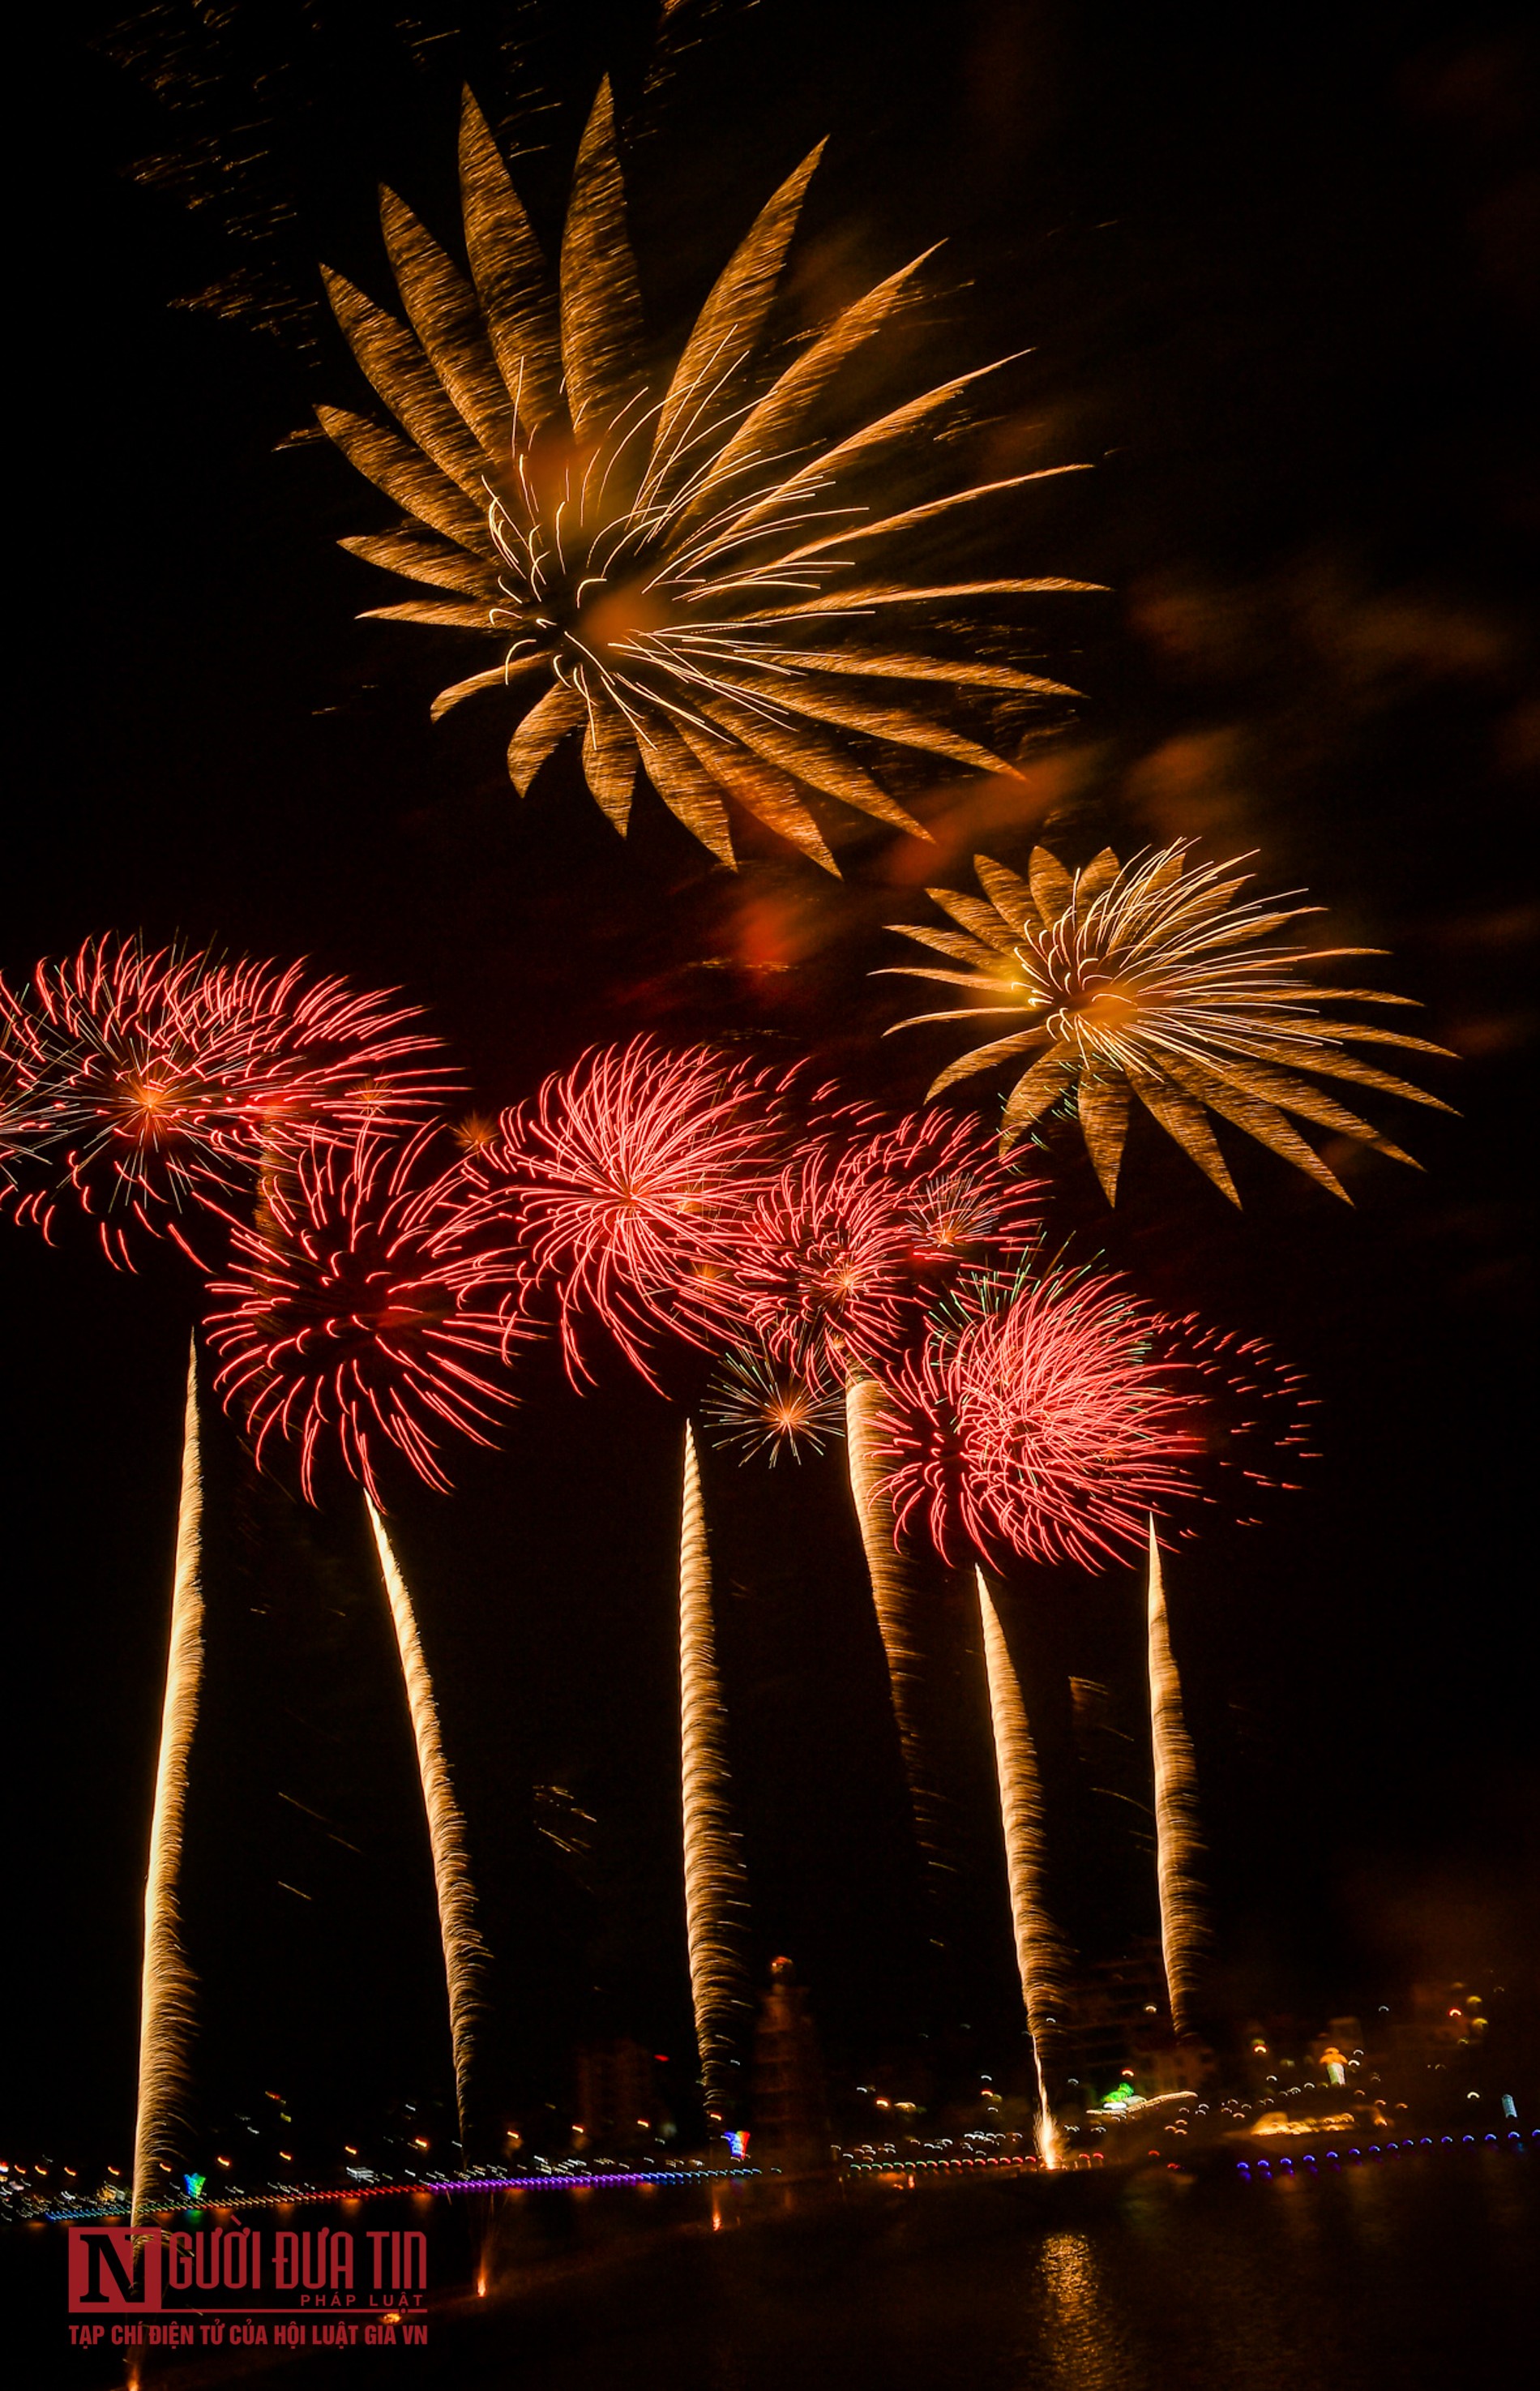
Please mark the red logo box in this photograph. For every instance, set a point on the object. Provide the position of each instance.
(116, 2269)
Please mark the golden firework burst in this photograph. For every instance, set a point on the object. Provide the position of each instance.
(673, 560)
(1148, 979)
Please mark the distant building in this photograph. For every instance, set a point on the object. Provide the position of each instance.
(617, 2107)
(789, 2105)
(1113, 2013)
(1435, 2042)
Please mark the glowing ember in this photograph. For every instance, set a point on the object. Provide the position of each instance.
(866, 1223)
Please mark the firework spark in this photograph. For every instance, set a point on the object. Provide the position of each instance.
(1038, 1421)
(622, 1181)
(158, 1081)
(166, 1994)
(1148, 979)
(716, 1886)
(368, 1311)
(761, 1405)
(824, 1259)
(1040, 1955)
(833, 1263)
(28, 1057)
(465, 1954)
(864, 1225)
(680, 567)
(894, 1596)
(1177, 1841)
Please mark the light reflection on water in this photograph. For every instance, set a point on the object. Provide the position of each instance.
(1080, 2337)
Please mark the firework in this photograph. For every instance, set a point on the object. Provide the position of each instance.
(1038, 1420)
(166, 1994)
(762, 1406)
(367, 1312)
(1040, 1955)
(1149, 981)
(668, 566)
(824, 1262)
(621, 1182)
(894, 1596)
(464, 1952)
(833, 1264)
(867, 1223)
(715, 1886)
(331, 1059)
(28, 1055)
(156, 1083)
(1177, 1814)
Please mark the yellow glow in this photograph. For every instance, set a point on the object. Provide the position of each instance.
(1277, 2121)
(166, 1994)
(1183, 1930)
(714, 1881)
(1039, 1952)
(1149, 981)
(893, 1599)
(464, 1952)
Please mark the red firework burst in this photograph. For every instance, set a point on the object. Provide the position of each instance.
(962, 1204)
(27, 1055)
(824, 1260)
(331, 1059)
(151, 1081)
(622, 1181)
(368, 1311)
(1047, 1423)
(859, 1227)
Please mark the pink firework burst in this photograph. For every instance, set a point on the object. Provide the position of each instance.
(1046, 1421)
(863, 1225)
(824, 1260)
(623, 1180)
(332, 1059)
(27, 1055)
(151, 1083)
(367, 1311)
(964, 1206)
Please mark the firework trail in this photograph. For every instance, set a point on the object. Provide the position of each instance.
(715, 1884)
(1145, 979)
(894, 1599)
(1040, 1955)
(166, 1994)
(465, 1954)
(1183, 1931)
(835, 1261)
(683, 576)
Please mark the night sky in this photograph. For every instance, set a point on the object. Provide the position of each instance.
(1272, 276)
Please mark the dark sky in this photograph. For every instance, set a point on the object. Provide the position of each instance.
(1273, 274)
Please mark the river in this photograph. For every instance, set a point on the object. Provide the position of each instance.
(1418, 2267)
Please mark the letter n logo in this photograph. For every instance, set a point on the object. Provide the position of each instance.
(114, 2269)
